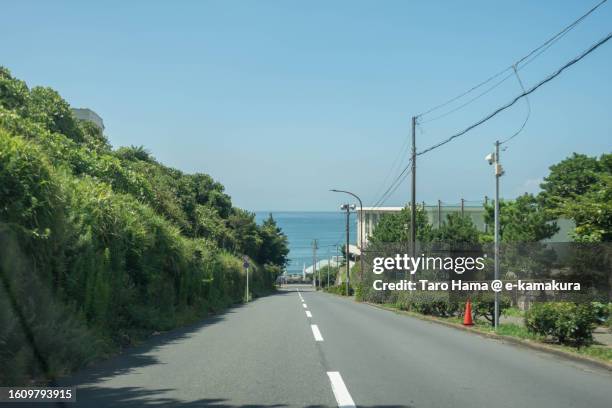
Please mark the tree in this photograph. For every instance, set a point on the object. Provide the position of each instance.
(523, 220)
(274, 245)
(246, 233)
(457, 230)
(13, 92)
(395, 227)
(580, 188)
(569, 178)
(46, 106)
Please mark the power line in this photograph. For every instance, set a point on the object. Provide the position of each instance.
(498, 83)
(394, 186)
(536, 52)
(391, 189)
(518, 78)
(525, 93)
(396, 164)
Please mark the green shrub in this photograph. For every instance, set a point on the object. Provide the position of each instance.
(483, 305)
(339, 290)
(432, 303)
(566, 322)
(101, 248)
(428, 302)
(602, 311)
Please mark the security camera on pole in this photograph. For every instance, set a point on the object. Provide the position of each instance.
(493, 159)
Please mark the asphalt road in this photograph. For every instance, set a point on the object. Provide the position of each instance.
(266, 354)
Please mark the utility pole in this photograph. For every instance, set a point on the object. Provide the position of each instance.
(413, 198)
(314, 263)
(347, 252)
(498, 173)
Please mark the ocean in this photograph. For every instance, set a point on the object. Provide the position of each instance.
(301, 228)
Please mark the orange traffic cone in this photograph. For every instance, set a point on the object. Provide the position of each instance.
(467, 316)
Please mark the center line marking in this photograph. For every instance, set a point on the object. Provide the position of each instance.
(308, 314)
(343, 398)
(316, 332)
(304, 304)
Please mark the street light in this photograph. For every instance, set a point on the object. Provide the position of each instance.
(360, 228)
(493, 159)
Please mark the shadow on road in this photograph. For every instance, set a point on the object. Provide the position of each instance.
(91, 394)
(132, 397)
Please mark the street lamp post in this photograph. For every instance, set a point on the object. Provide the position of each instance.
(347, 208)
(360, 228)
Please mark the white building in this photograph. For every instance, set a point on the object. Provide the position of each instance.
(89, 115)
(436, 214)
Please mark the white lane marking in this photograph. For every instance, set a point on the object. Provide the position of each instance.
(304, 304)
(308, 314)
(343, 398)
(316, 332)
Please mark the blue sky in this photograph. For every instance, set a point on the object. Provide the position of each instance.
(283, 100)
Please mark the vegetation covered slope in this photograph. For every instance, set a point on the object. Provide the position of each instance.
(99, 247)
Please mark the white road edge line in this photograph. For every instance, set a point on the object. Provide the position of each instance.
(308, 314)
(343, 398)
(316, 333)
(304, 304)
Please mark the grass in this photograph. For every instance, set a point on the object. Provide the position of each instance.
(514, 312)
(595, 351)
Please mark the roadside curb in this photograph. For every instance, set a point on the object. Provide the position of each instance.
(513, 340)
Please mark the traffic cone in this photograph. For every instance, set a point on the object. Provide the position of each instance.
(467, 316)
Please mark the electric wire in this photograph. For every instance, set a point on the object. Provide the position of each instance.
(394, 186)
(518, 78)
(516, 66)
(402, 153)
(523, 94)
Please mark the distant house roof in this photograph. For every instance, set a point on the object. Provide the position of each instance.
(324, 262)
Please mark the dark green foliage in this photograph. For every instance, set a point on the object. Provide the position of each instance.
(483, 305)
(326, 270)
(432, 303)
(602, 311)
(523, 220)
(274, 245)
(456, 231)
(571, 177)
(339, 290)
(580, 188)
(564, 321)
(101, 248)
(395, 227)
